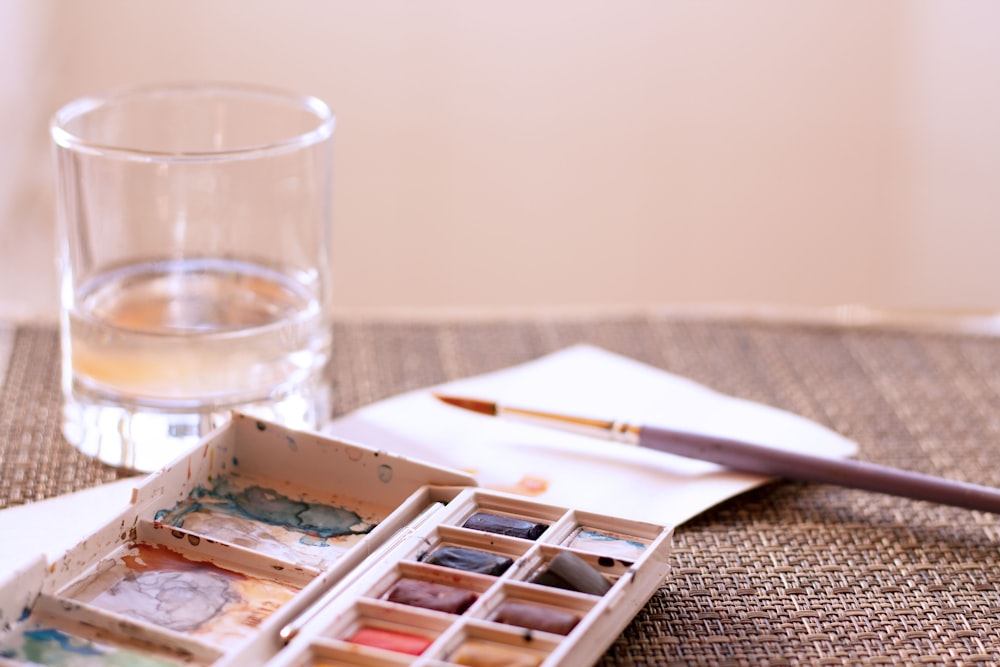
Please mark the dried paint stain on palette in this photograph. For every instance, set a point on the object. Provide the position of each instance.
(252, 515)
(159, 586)
(49, 646)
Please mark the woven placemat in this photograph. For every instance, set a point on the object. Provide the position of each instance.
(786, 574)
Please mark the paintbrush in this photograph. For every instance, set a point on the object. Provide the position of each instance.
(755, 458)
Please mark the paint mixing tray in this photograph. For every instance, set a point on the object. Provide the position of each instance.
(265, 545)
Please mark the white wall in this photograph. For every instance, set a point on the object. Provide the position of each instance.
(27, 83)
(584, 152)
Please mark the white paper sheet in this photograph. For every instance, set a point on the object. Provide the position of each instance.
(577, 471)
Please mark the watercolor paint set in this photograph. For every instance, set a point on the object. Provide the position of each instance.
(269, 546)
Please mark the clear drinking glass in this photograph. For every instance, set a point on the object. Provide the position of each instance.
(194, 265)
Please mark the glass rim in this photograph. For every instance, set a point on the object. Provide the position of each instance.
(81, 106)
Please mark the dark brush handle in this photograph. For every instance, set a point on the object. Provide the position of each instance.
(771, 462)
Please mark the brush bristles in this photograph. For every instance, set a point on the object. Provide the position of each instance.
(476, 405)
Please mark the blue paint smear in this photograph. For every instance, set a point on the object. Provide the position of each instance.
(49, 646)
(62, 640)
(604, 537)
(630, 549)
(268, 506)
(310, 541)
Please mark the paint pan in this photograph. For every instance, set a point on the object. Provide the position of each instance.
(269, 546)
(484, 645)
(438, 589)
(623, 540)
(532, 608)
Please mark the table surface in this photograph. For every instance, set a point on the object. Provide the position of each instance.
(786, 574)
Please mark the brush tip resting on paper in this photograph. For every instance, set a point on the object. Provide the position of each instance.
(476, 405)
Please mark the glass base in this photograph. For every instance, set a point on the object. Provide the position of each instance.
(146, 439)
